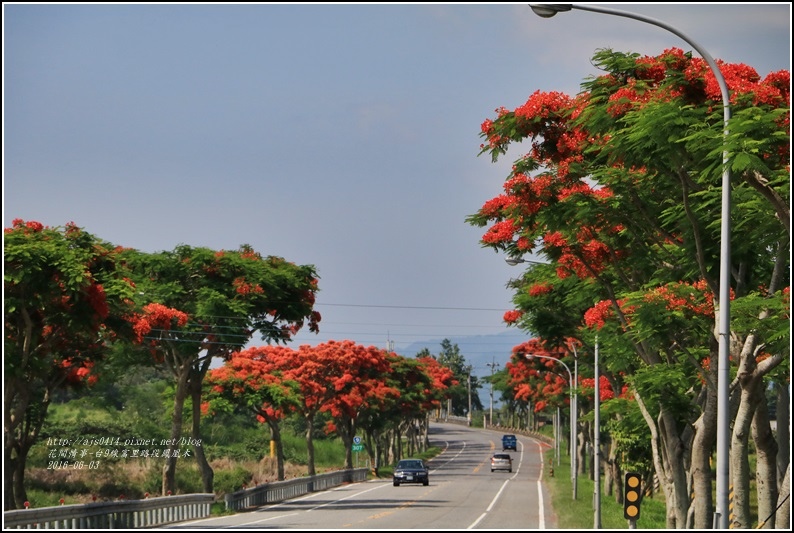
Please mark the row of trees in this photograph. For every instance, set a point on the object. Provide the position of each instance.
(363, 389)
(75, 304)
(620, 195)
(72, 300)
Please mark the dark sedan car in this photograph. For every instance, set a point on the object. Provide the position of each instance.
(410, 471)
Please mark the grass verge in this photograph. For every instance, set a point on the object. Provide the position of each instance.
(580, 513)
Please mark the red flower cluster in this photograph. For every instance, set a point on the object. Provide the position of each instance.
(543, 105)
(604, 387)
(30, 226)
(500, 232)
(695, 297)
(243, 288)
(511, 317)
(539, 289)
(95, 294)
(80, 372)
(598, 315)
(494, 207)
(157, 316)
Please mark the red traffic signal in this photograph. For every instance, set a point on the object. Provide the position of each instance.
(632, 496)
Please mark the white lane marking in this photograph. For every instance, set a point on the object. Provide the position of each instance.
(493, 502)
(450, 459)
(542, 518)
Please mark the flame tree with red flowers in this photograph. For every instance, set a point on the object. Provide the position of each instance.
(337, 377)
(537, 381)
(254, 379)
(199, 305)
(361, 388)
(62, 299)
(359, 377)
(419, 385)
(620, 193)
(443, 383)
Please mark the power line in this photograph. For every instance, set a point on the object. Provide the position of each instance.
(438, 308)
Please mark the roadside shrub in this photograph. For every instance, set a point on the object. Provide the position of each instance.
(226, 481)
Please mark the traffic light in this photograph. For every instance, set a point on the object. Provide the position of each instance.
(632, 496)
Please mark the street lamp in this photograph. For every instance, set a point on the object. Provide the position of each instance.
(724, 321)
(574, 428)
(493, 365)
(597, 440)
(513, 261)
(574, 422)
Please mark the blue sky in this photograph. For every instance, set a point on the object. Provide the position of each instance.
(343, 136)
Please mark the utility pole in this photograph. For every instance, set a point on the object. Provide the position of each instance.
(493, 365)
(468, 388)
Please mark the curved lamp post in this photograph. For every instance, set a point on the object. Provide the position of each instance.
(574, 422)
(724, 322)
(575, 429)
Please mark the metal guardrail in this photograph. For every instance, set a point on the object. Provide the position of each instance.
(154, 512)
(462, 420)
(151, 512)
(279, 491)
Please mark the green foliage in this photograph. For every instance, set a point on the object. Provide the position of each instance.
(227, 481)
(626, 427)
(768, 316)
(450, 357)
(669, 386)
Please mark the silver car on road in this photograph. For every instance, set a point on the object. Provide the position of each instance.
(501, 461)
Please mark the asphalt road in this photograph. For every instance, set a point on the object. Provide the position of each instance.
(463, 494)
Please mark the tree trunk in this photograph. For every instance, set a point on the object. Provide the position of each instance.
(207, 475)
(169, 469)
(275, 436)
(766, 466)
(398, 444)
(373, 450)
(740, 465)
(703, 442)
(22, 429)
(581, 460)
(750, 377)
(8, 477)
(783, 515)
(346, 429)
(700, 470)
(15, 406)
(675, 452)
(20, 495)
(426, 433)
(310, 443)
(410, 433)
(783, 417)
(28, 433)
(664, 471)
(614, 481)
